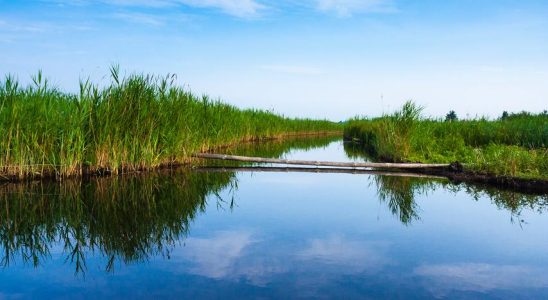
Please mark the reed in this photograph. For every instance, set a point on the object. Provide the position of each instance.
(512, 146)
(135, 122)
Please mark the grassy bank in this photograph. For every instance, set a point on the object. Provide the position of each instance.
(122, 218)
(131, 219)
(136, 122)
(515, 145)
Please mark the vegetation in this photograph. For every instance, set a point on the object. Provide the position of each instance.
(514, 145)
(124, 219)
(451, 116)
(136, 122)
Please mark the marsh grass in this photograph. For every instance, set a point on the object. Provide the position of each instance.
(124, 219)
(513, 146)
(135, 122)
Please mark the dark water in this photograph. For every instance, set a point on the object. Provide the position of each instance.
(196, 234)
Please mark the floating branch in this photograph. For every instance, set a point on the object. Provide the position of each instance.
(315, 170)
(319, 163)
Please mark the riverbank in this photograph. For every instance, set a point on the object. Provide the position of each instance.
(133, 123)
(509, 152)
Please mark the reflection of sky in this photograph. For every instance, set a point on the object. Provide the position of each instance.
(323, 235)
(481, 277)
(214, 257)
(332, 152)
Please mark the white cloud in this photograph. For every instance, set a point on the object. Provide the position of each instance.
(254, 8)
(22, 27)
(346, 8)
(237, 8)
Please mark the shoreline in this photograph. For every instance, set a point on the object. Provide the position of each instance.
(87, 171)
(456, 173)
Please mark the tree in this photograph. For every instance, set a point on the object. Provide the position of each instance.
(451, 116)
(504, 115)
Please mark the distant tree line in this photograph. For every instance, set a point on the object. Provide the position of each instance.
(452, 115)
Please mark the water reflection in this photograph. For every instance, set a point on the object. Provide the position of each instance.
(480, 277)
(128, 219)
(399, 193)
(122, 218)
(135, 218)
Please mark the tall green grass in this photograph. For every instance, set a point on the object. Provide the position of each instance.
(513, 146)
(135, 122)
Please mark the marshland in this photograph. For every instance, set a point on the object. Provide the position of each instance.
(140, 122)
(133, 123)
(257, 149)
(275, 232)
(507, 151)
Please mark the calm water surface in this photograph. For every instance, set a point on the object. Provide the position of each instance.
(196, 234)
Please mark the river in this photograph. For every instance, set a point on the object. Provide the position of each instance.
(230, 233)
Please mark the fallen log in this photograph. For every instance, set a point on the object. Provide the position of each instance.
(319, 163)
(314, 170)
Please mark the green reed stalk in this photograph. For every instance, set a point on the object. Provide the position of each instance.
(135, 122)
(513, 146)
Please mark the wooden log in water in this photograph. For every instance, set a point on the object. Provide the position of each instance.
(319, 163)
(314, 170)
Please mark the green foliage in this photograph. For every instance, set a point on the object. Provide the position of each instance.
(451, 116)
(136, 122)
(511, 160)
(122, 218)
(388, 137)
(504, 115)
(514, 145)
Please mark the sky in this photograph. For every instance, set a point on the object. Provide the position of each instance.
(331, 59)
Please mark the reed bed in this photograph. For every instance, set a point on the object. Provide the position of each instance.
(512, 146)
(133, 123)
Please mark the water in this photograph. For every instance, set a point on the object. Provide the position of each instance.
(197, 234)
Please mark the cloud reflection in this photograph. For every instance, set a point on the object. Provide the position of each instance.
(236, 255)
(215, 257)
(349, 256)
(480, 277)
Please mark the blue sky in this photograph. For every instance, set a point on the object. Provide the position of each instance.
(314, 58)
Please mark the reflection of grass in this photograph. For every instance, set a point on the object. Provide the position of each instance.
(128, 218)
(356, 151)
(399, 192)
(513, 146)
(275, 148)
(279, 148)
(515, 203)
(136, 122)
